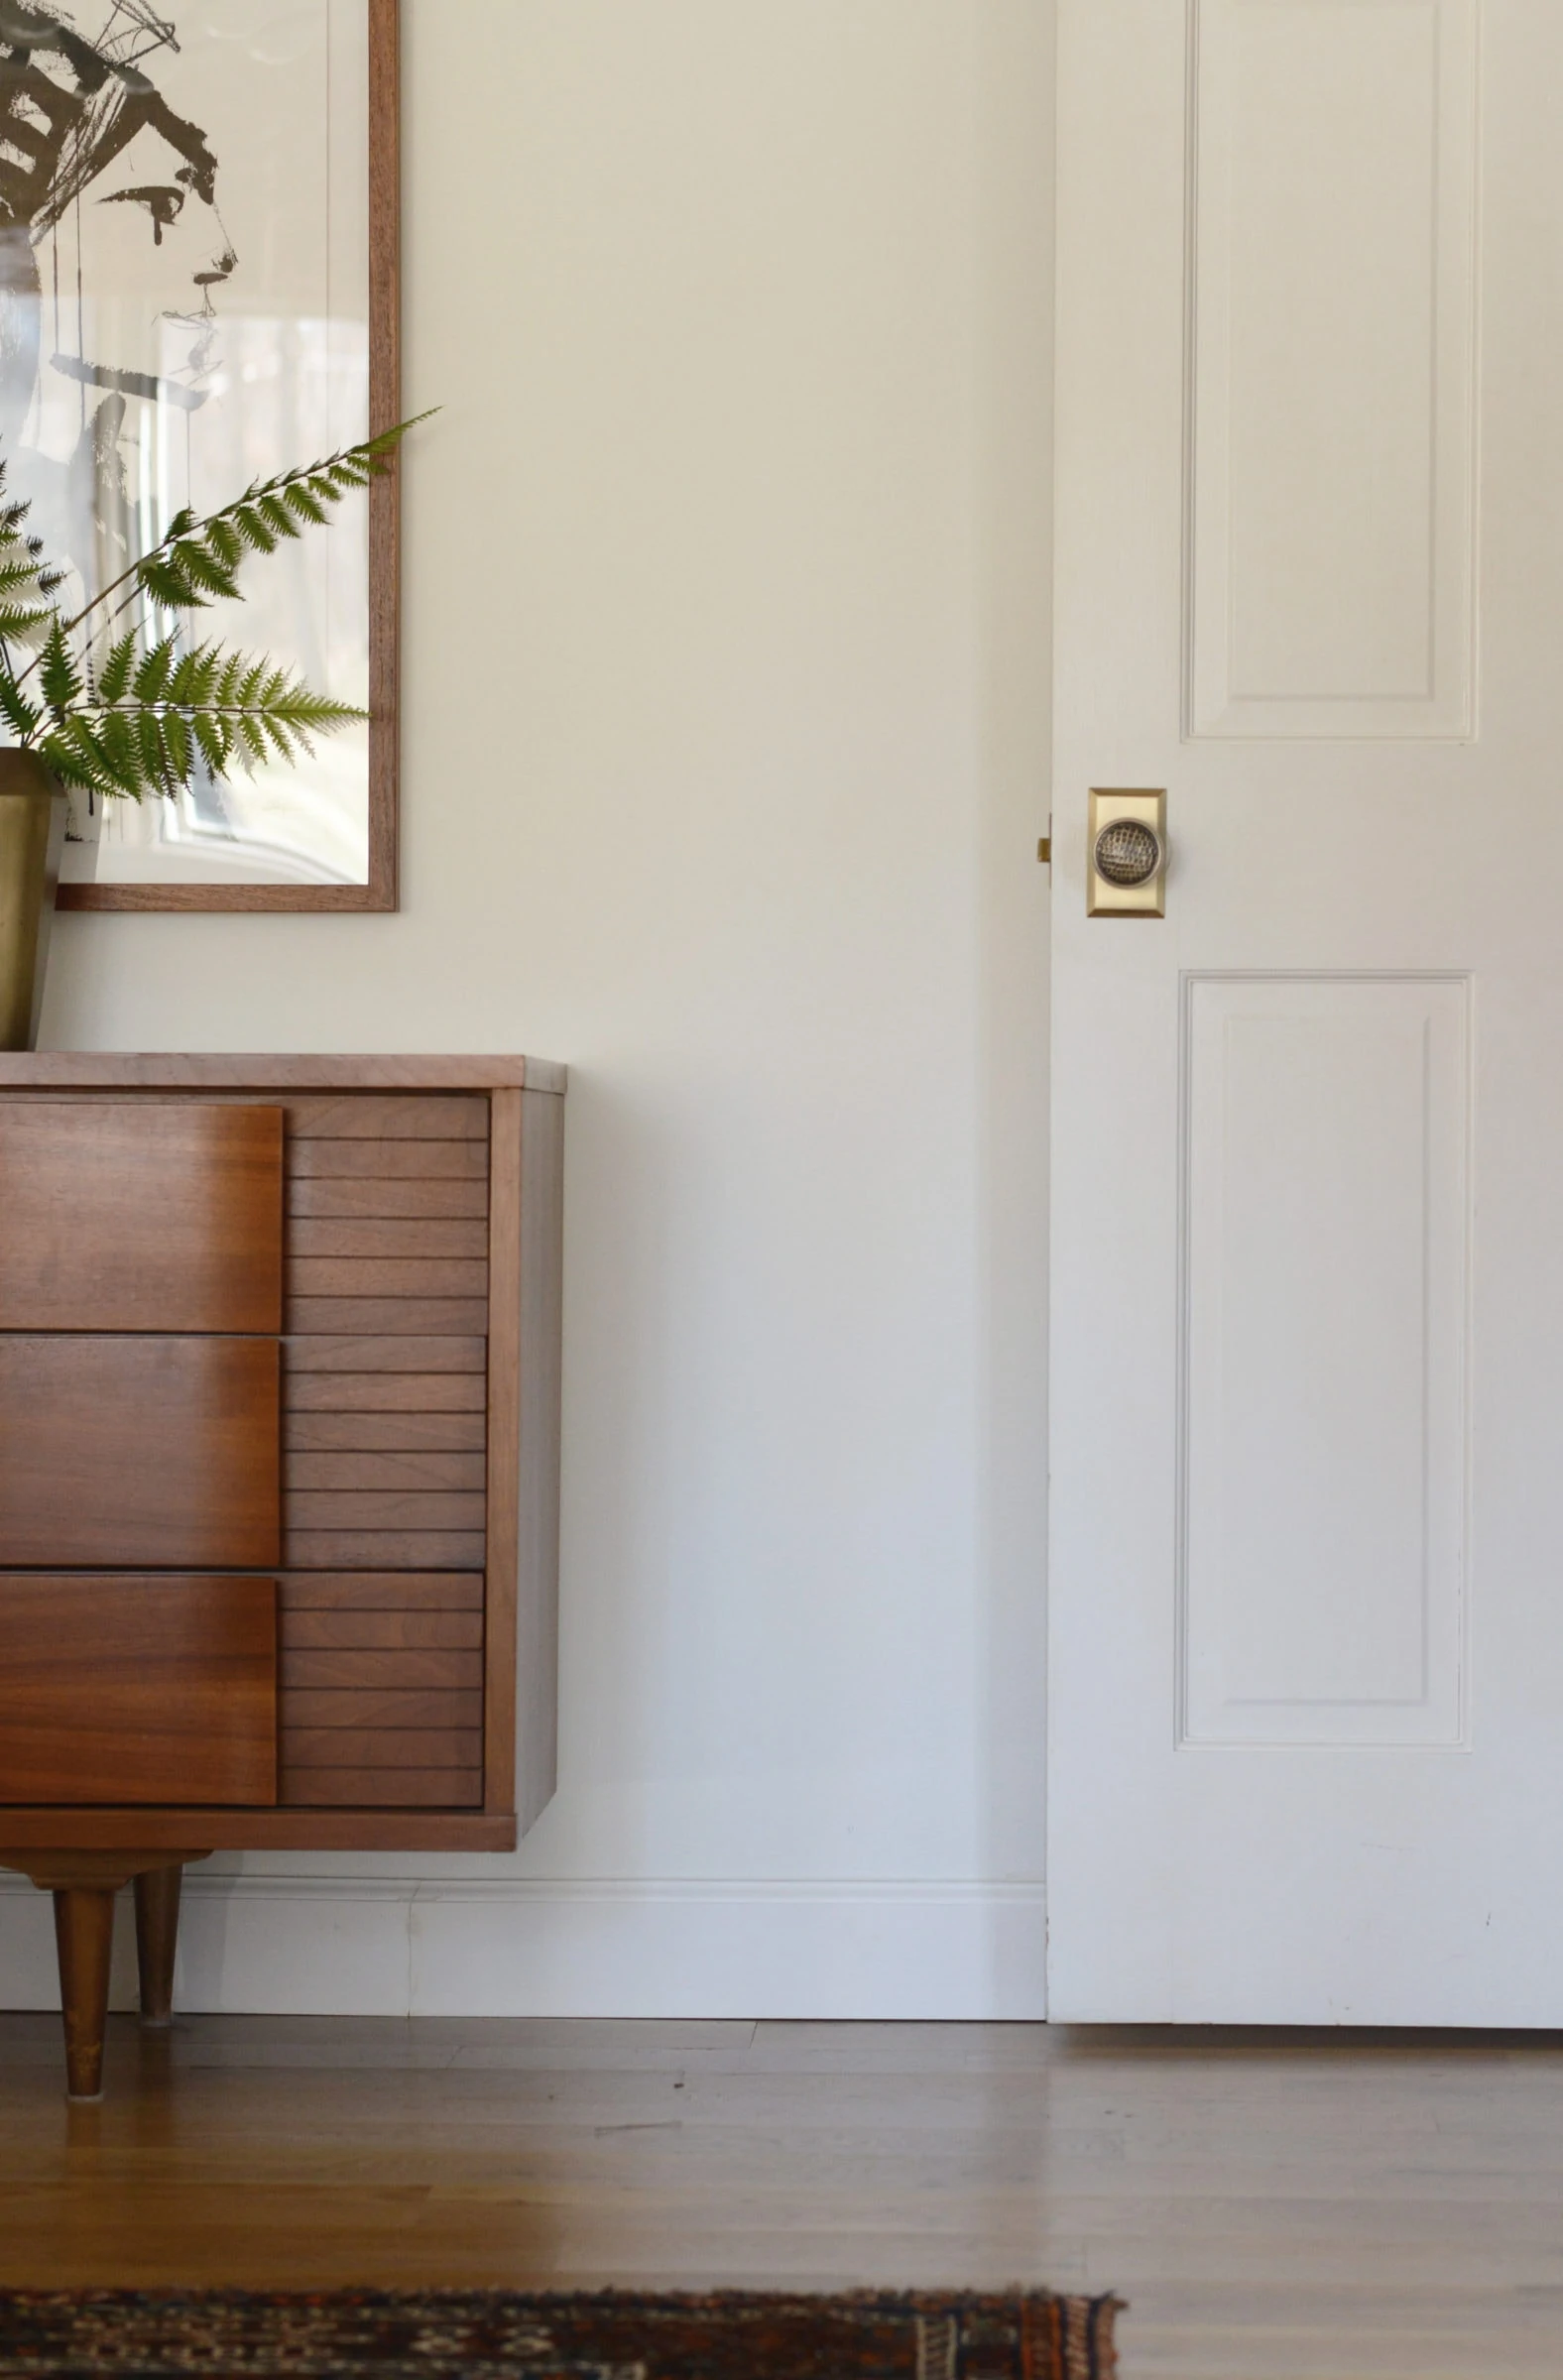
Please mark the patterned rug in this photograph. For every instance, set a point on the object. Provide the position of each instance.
(493, 2335)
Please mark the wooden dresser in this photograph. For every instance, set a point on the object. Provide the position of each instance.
(279, 1472)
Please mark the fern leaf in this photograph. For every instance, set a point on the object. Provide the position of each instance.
(277, 516)
(58, 676)
(21, 623)
(249, 742)
(206, 568)
(120, 748)
(148, 731)
(252, 529)
(197, 554)
(303, 500)
(165, 580)
(71, 751)
(156, 669)
(212, 736)
(180, 748)
(225, 542)
(21, 716)
(194, 677)
(115, 676)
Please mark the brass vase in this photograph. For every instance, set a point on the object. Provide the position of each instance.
(32, 838)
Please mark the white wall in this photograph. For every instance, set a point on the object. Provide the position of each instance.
(726, 723)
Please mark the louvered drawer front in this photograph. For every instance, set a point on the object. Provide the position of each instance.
(386, 1383)
(381, 1692)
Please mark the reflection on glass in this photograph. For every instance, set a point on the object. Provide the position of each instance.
(183, 309)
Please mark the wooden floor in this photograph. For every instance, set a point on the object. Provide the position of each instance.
(1272, 2204)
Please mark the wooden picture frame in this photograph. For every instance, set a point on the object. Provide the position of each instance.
(380, 893)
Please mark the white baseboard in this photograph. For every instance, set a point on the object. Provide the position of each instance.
(327, 1946)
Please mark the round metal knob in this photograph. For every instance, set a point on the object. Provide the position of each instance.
(1128, 852)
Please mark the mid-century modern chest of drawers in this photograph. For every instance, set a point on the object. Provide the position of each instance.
(279, 1472)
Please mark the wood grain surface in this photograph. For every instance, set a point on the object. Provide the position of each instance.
(381, 1591)
(407, 1276)
(388, 1298)
(340, 1391)
(387, 1351)
(375, 1116)
(1273, 2205)
(374, 1317)
(423, 1236)
(134, 1690)
(418, 1630)
(340, 1467)
(352, 1196)
(405, 1432)
(52, 1826)
(384, 1788)
(398, 1635)
(385, 1161)
(370, 1667)
(382, 1549)
(323, 1508)
(154, 1215)
(540, 1360)
(503, 1540)
(398, 1277)
(383, 890)
(219, 1071)
(142, 1452)
(400, 1748)
(384, 1707)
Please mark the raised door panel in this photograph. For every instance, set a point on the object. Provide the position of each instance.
(135, 1691)
(141, 1215)
(141, 1451)
(1325, 1415)
(1332, 401)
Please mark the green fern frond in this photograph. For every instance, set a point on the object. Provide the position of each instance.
(60, 675)
(26, 582)
(72, 752)
(113, 680)
(211, 734)
(197, 561)
(140, 718)
(19, 625)
(21, 716)
(156, 668)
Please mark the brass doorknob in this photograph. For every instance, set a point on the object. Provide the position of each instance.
(1128, 852)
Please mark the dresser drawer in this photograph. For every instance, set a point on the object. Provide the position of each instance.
(151, 1216)
(142, 1452)
(138, 1690)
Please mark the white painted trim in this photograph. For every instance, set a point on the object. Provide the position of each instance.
(608, 1946)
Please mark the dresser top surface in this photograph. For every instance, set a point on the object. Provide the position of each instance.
(102, 1070)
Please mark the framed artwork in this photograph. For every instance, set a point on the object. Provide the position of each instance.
(199, 289)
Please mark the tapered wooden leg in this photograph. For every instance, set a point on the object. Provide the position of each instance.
(83, 1883)
(84, 1934)
(157, 1938)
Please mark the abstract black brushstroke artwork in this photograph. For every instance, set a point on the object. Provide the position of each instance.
(186, 279)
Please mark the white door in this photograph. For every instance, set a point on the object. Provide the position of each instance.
(1306, 1673)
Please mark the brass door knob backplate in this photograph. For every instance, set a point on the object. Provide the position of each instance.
(1128, 853)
